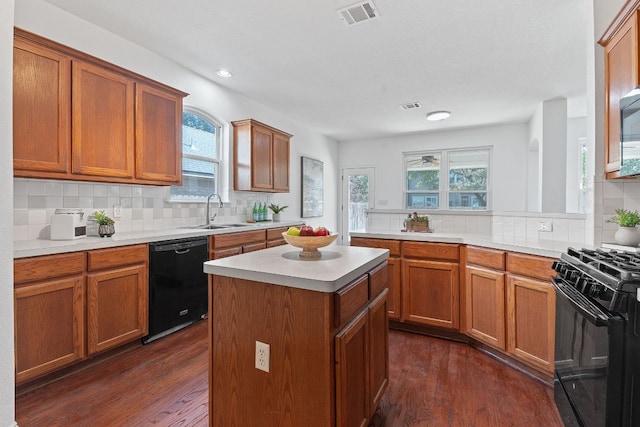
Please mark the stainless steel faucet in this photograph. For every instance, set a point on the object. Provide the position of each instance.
(208, 218)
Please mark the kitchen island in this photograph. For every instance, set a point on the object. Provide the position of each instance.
(298, 342)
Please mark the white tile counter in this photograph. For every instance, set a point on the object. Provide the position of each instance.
(37, 247)
(547, 248)
(338, 266)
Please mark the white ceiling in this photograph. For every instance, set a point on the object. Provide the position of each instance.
(489, 61)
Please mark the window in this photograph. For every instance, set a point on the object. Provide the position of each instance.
(200, 158)
(448, 179)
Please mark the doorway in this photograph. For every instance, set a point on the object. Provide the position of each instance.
(357, 196)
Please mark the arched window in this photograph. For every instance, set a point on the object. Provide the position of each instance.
(200, 157)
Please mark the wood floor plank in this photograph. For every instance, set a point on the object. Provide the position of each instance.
(433, 382)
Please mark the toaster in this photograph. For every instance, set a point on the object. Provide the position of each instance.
(68, 224)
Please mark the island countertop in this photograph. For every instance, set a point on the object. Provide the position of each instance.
(281, 265)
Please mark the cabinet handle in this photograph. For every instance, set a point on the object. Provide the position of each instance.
(182, 252)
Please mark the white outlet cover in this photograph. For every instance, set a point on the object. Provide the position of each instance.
(262, 356)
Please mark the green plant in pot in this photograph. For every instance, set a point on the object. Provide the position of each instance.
(627, 234)
(276, 209)
(106, 226)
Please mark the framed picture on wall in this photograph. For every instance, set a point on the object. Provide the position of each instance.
(312, 188)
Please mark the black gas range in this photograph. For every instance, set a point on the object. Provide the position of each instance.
(597, 338)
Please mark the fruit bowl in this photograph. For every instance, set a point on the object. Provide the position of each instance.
(310, 244)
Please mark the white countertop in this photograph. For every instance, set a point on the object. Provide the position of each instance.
(338, 266)
(37, 247)
(547, 248)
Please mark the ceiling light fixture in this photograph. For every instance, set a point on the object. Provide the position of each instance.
(224, 73)
(436, 116)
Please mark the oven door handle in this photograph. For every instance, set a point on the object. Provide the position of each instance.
(582, 305)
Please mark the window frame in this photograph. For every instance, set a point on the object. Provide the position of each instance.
(216, 160)
(444, 191)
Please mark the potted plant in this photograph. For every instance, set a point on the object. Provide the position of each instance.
(416, 222)
(627, 234)
(105, 224)
(276, 209)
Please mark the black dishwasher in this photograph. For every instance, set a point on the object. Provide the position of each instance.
(177, 285)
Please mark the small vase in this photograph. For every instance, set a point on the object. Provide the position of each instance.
(276, 217)
(106, 230)
(627, 236)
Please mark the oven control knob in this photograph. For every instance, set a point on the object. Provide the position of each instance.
(596, 290)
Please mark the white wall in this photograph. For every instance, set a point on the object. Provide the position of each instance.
(576, 134)
(43, 19)
(509, 144)
(534, 162)
(554, 155)
(7, 391)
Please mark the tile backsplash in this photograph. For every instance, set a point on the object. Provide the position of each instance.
(508, 226)
(143, 207)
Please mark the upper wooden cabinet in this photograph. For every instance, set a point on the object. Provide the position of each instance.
(77, 117)
(260, 157)
(41, 109)
(620, 42)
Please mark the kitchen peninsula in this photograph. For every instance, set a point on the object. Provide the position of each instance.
(298, 342)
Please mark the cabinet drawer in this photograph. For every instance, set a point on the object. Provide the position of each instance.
(392, 245)
(253, 247)
(491, 258)
(378, 280)
(237, 239)
(351, 299)
(276, 233)
(227, 252)
(432, 251)
(530, 265)
(274, 243)
(108, 258)
(47, 267)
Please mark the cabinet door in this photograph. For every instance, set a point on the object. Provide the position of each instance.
(394, 299)
(49, 326)
(485, 306)
(102, 130)
(41, 110)
(117, 307)
(280, 163)
(621, 76)
(253, 247)
(227, 252)
(352, 385)
(261, 158)
(430, 293)
(531, 308)
(158, 135)
(378, 350)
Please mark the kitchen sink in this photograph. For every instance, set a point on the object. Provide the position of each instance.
(217, 226)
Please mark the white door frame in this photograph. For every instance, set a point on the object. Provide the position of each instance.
(344, 202)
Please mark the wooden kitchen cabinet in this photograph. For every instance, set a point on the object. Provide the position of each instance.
(225, 245)
(430, 284)
(117, 296)
(531, 305)
(394, 298)
(41, 110)
(620, 42)
(158, 118)
(77, 117)
(484, 295)
(102, 142)
(274, 236)
(260, 157)
(49, 301)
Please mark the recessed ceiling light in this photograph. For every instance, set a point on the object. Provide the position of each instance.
(224, 73)
(435, 116)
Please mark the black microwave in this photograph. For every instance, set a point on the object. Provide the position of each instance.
(630, 133)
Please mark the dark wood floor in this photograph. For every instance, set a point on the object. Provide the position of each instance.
(433, 382)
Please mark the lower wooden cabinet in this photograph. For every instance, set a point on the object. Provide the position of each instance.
(430, 293)
(49, 304)
(362, 364)
(485, 306)
(226, 245)
(531, 321)
(71, 306)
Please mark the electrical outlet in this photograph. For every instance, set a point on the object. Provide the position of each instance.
(117, 211)
(262, 356)
(545, 226)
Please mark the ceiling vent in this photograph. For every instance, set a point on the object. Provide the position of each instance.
(358, 13)
(411, 106)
